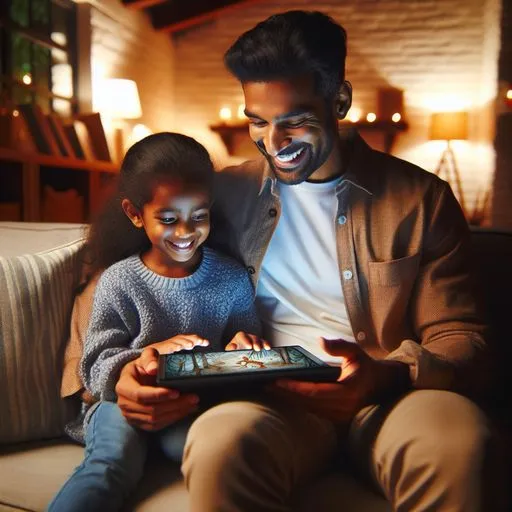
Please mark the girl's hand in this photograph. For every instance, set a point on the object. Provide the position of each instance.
(179, 342)
(146, 405)
(243, 340)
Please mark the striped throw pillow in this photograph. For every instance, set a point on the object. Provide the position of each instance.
(36, 297)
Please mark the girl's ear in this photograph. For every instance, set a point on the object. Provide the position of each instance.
(132, 213)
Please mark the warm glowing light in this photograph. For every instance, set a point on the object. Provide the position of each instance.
(15, 113)
(119, 99)
(396, 117)
(371, 117)
(225, 113)
(354, 115)
(241, 112)
(509, 94)
(27, 79)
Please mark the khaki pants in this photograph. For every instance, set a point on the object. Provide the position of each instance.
(426, 452)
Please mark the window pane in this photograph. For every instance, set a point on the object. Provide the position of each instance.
(41, 66)
(62, 107)
(20, 12)
(21, 69)
(41, 15)
(60, 26)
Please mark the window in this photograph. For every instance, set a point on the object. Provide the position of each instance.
(38, 54)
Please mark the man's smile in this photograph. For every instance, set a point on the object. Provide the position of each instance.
(289, 160)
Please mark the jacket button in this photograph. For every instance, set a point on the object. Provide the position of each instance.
(272, 212)
(361, 336)
(251, 270)
(347, 274)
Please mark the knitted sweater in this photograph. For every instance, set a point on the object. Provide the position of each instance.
(134, 307)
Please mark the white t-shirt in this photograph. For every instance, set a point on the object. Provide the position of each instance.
(299, 294)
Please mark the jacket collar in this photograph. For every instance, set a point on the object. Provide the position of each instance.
(358, 173)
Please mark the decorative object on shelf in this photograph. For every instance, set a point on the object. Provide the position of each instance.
(119, 101)
(98, 139)
(449, 126)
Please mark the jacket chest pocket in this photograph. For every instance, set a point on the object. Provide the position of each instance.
(393, 273)
(390, 285)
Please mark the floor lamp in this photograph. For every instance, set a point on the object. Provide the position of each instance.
(450, 126)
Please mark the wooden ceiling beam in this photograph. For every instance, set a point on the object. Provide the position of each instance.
(141, 4)
(176, 16)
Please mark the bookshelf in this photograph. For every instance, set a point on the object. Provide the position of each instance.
(24, 177)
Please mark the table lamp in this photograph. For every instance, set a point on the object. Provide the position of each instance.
(120, 101)
(450, 126)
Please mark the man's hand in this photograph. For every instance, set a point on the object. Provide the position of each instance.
(362, 381)
(179, 342)
(243, 340)
(143, 404)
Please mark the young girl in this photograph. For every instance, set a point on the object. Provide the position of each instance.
(162, 288)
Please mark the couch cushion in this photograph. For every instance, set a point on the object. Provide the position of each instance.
(30, 237)
(36, 294)
(32, 473)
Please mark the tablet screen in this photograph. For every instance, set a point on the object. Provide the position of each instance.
(198, 364)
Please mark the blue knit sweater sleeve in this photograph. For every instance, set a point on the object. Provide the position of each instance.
(108, 343)
(243, 315)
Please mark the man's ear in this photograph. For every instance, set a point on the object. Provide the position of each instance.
(132, 212)
(344, 100)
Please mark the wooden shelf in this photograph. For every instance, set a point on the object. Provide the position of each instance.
(34, 168)
(57, 161)
(232, 134)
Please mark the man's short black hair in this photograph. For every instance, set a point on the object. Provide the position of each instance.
(291, 44)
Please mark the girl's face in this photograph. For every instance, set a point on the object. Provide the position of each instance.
(177, 222)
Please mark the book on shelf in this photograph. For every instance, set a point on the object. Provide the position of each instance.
(39, 129)
(94, 125)
(84, 140)
(61, 137)
(74, 140)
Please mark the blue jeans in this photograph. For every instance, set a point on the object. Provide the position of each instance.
(115, 454)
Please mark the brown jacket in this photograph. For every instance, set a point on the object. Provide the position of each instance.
(403, 251)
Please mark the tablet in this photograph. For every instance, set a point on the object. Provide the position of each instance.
(193, 371)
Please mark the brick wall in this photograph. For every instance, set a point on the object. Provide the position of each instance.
(124, 45)
(442, 53)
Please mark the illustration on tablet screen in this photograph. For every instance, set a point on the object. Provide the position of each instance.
(212, 363)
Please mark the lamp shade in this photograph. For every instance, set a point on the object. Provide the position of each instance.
(119, 99)
(449, 126)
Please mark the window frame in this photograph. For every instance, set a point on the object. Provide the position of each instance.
(40, 38)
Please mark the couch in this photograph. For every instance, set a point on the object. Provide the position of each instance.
(39, 270)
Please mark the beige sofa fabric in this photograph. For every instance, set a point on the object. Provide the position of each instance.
(36, 295)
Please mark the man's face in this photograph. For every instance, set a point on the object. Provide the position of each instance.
(293, 126)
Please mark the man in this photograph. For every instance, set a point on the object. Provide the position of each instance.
(357, 248)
